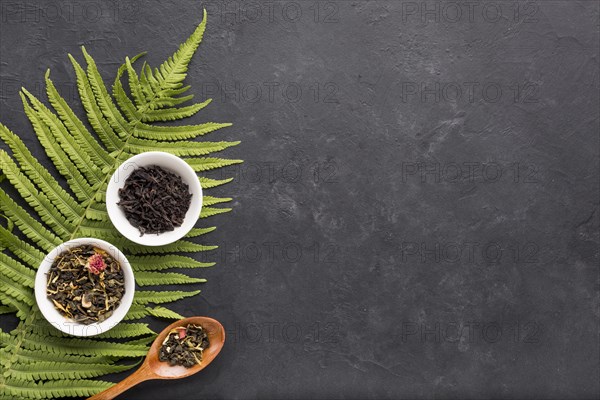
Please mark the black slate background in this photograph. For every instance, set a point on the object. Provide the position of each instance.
(391, 237)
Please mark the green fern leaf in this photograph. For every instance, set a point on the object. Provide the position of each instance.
(209, 163)
(34, 356)
(28, 225)
(38, 200)
(162, 312)
(40, 176)
(134, 84)
(137, 146)
(149, 296)
(78, 156)
(37, 360)
(209, 183)
(210, 211)
(200, 231)
(147, 278)
(16, 271)
(17, 290)
(151, 132)
(13, 388)
(63, 164)
(126, 331)
(136, 312)
(25, 251)
(51, 370)
(22, 309)
(101, 126)
(173, 71)
(76, 128)
(172, 113)
(7, 310)
(87, 347)
(112, 114)
(124, 102)
(158, 263)
(210, 200)
(182, 246)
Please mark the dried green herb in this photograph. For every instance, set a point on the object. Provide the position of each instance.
(184, 345)
(86, 284)
(154, 200)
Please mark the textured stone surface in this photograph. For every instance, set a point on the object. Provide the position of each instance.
(418, 211)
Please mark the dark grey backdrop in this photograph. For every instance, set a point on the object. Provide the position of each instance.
(417, 216)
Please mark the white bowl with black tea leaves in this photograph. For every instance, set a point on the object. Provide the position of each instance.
(84, 287)
(154, 198)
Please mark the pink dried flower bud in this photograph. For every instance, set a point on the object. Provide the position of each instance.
(96, 264)
(182, 332)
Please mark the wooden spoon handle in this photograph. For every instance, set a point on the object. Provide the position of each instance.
(141, 375)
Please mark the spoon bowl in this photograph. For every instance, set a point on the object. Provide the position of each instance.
(216, 339)
(153, 368)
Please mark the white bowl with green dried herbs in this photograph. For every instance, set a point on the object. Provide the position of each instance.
(84, 287)
(154, 198)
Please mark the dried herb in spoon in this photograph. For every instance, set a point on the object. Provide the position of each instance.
(154, 200)
(184, 345)
(85, 284)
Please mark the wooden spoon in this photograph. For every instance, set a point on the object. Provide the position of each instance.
(152, 368)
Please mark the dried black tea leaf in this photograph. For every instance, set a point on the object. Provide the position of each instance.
(85, 284)
(154, 200)
(184, 345)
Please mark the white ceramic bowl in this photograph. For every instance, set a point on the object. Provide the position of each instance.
(172, 164)
(65, 324)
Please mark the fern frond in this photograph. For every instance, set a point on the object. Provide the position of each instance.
(7, 310)
(52, 370)
(97, 212)
(149, 296)
(208, 163)
(180, 246)
(94, 113)
(144, 341)
(209, 183)
(64, 165)
(27, 356)
(137, 146)
(210, 211)
(175, 113)
(23, 310)
(83, 161)
(158, 263)
(162, 312)
(97, 228)
(172, 133)
(28, 225)
(124, 102)
(76, 128)
(16, 271)
(69, 345)
(136, 311)
(105, 104)
(39, 201)
(40, 176)
(126, 331)
(200, 231)
(173, 71)
(37, 360)
(134, 85)
(210, 200)
(17, 290)
(50, 389)
(26, 252)
(147, 278)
